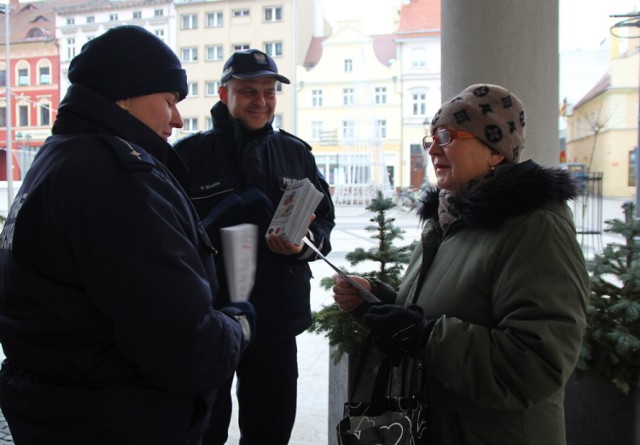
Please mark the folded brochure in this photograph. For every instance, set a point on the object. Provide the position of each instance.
(293, 215)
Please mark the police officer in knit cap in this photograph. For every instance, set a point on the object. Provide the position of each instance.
(107, 278)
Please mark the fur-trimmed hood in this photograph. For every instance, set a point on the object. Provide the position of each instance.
(514, 189)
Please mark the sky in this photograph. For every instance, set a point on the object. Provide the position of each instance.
(584, 24)
(584, 28)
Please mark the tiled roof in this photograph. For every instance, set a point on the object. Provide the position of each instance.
(32, 21)
(384, 46)
(420, 16)
(314, 52)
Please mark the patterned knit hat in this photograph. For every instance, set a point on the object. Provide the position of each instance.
(493, 114)
(128, 61)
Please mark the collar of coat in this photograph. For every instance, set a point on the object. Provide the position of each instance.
(84, 111)
(514, 189)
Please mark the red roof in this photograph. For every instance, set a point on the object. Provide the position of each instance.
(420, 16)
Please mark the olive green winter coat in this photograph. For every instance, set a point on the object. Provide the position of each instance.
(508, 285)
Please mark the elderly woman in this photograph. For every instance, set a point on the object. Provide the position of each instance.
(494, 298)
(107, 278)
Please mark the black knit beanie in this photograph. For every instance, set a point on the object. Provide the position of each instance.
(128, 61)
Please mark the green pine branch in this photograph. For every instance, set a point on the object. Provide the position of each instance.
(342, 330)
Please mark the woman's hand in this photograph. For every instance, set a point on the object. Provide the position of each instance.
(345, 295)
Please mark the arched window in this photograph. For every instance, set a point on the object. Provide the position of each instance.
(44, 72)
(23, 74)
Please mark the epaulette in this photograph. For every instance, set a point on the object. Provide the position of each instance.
(306, 144)
(130, 155)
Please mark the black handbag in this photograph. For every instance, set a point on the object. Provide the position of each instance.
(386, 419)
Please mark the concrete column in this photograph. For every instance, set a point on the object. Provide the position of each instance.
(513, 44)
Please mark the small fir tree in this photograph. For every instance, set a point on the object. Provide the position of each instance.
(339, 327)
(611, 346)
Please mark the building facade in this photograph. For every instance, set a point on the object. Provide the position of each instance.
(30, 79)
(602, 128)
(210, 31)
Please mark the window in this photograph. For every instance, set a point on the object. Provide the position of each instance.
(3, 77)
(213, 52)
(277, 121)
(348, 65)
(381, 95)
(44, 75)
(3, 116)
(631, 182)
(23, 115)
(419, 103)
(209, 123)
(213, 19)
(418, 57)
(316, 129)
(71, 21)
(316, 98)
(190, 54)
(381, 129)
(189, 21)
(91, 19)
(211, 87)
(241, 12)
(159, 33)
(158, 12)
(348, 96)
(44, 115)
(113, 17)
(273, 49)
(90, 37)
(71, 48)
(192, 89)
(23, 76)
(278, 87)
(348, 129)
(273, 14)
(137, 14)
(190, 125)
(240, 46)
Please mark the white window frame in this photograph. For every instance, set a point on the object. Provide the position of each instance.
(419, 103)
(348, 96)
(190, 124)
(316, 130)
(381, 128)
(214, 19)
(240, 47)
(316, 98)
(273, 49)
(348, 65)
(192, 89)
(272, 14)
(189, 54)
(213, 52)
(211, 88)
(243, 12)
(189, 21)
(381, 95)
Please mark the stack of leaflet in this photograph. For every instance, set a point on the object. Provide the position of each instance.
(239, 250)
(294, 211)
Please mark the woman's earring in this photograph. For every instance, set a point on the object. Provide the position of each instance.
(492, 168)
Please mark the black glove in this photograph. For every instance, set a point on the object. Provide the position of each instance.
(243, 312)
(398, 329)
